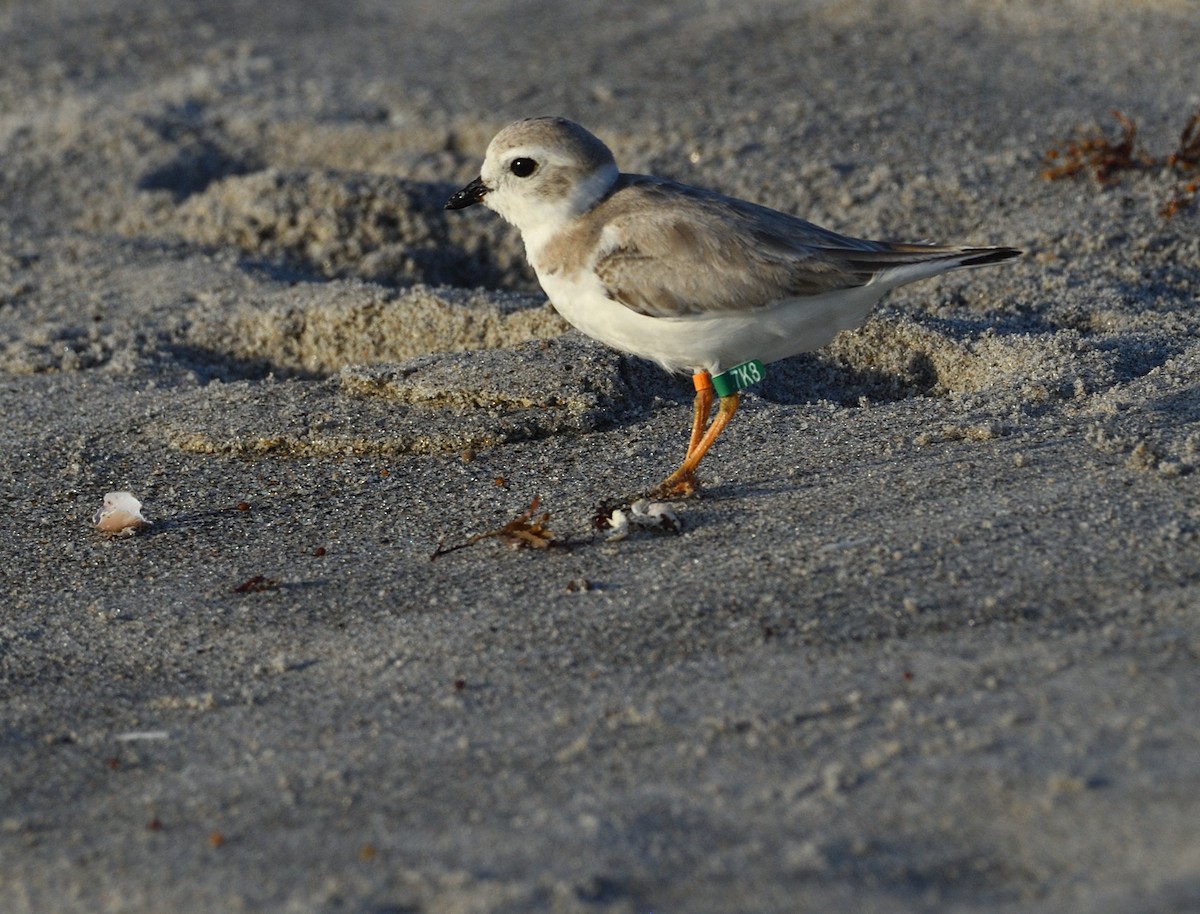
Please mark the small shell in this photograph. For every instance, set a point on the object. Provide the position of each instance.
(122, 513)
(619, 521)
(643, 515)
(656, 515)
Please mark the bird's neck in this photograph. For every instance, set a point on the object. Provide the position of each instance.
(541, 223)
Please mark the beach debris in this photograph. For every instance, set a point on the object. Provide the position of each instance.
(619, 521)
(1184, 197)
(134, 736)
(256, 584)
(121, 515)
(1102, 155)
(1106, 157)
(1187, 156)
(646, 515)
(1183, 160)
(524, 531)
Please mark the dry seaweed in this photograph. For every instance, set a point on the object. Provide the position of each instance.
(1187, 156)
(524, 531)
(257, 584)
(1105, 158)
(1184, 160)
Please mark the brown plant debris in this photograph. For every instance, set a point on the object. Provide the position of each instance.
(1187, 156)
(1105, 158)
(1184, 160)
(524, 531)
(1097, 152)
(1183, 198)
(256, 584)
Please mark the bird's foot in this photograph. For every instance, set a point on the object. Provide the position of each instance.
(677, 485)
(668, 490)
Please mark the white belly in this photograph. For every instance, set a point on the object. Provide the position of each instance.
(716, 341)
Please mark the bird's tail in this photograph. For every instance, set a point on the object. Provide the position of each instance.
(897, 264)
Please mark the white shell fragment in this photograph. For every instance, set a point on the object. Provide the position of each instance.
(121, 514)
(643, 514)
(654, 514)
(619, 521)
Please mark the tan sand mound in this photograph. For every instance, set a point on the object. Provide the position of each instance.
(352, 224)
(940, 359)
(437, 403)
(316, 329)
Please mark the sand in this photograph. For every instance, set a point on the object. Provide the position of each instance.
(928, 637)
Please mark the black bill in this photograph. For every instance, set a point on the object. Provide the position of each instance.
(468, 196)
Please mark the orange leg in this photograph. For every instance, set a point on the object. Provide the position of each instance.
(704, 402)
(683, 480)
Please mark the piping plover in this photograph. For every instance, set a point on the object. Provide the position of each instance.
(686, 277)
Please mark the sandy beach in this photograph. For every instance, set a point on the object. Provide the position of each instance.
(927, 639)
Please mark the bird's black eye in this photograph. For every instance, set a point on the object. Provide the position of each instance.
(523, 167)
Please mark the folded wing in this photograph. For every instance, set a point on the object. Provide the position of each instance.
(675, 251)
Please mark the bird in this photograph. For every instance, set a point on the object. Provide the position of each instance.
(686, 277)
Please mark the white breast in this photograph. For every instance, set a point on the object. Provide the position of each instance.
(714, 342)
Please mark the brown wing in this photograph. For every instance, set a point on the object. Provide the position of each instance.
(676, 251)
